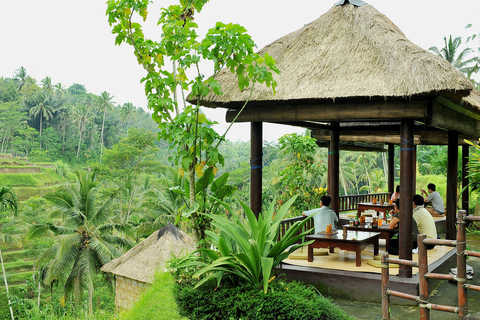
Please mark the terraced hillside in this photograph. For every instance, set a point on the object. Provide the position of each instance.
(28, 179)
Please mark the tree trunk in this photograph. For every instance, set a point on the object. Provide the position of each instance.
(41, 124)
(6, 284)
(90, 301)
(39, 293)
(80, 139)
(101, 137)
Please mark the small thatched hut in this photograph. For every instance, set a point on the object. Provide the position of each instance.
(134, 271)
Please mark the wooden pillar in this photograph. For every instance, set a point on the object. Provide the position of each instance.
(452, 171)
(406, 195)
(334, 167)
(466, 193)
(256, 162)
(391, 168)
(414, 182)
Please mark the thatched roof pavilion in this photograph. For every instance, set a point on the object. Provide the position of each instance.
(353, 74)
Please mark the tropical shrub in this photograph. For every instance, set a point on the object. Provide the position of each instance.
(248, 249)
(284, 300)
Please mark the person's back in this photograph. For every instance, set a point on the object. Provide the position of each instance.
(424, 220)
(324, 215)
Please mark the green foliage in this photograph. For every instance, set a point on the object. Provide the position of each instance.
(248, 250)
(85, 240)
(8, 199)
(302, 176)
(284, 300)
(30, 179)
(160, 296)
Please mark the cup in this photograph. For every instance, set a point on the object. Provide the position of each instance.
(390, 201)
(374, 200)
(351, 223)
(380, 222)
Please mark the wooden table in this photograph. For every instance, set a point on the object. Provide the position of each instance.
(352, 241)
(362, 206)
(385, 232)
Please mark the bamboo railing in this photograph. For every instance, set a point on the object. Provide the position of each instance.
(424, 275)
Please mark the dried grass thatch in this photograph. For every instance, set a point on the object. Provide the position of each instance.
(150, 255)
(349, 52)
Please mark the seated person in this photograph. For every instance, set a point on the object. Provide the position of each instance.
(396, 194)
(395, 215)
(424, 221)
(435, 199)
(323, 215)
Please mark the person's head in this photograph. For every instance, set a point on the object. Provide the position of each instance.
(431, 187)
(397, 205)
(397, 189)
(326, 200)
(418, 200)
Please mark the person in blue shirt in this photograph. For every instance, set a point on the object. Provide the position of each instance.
(323, 215)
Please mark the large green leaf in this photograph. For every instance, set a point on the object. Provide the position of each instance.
(267, 264)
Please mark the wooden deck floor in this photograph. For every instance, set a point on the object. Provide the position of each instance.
(345, 260)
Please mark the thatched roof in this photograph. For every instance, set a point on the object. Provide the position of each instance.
(349, 52)
(150, 255)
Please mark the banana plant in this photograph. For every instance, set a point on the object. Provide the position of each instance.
(248, 249)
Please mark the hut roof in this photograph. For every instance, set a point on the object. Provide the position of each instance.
(349, 52)
(150, 255)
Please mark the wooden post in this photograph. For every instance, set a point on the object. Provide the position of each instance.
(334, 168)
(256, 162)
(422, 280)
(461, 266)
(414, 180)
(406, 198)
(466, 192)
(385, 287)
(452, 171)
(391, 168)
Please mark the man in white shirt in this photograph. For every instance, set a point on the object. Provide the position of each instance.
(435, 199)
(323, 215)
(424, 221)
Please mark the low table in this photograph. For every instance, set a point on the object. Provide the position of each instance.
(352, 241)
(362, 206)
(385, 232)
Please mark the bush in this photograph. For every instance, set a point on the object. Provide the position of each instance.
(284, 300)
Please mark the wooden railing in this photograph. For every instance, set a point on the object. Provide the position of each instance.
(287, 223)
(349, 203)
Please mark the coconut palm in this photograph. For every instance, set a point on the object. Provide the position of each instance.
(20, 77)
(8, 199)
(44, 108)
(9, 228)
(47, 85)
(126, 113)
(81, 114)
(85, 237)
(105, 104)
(450, 52)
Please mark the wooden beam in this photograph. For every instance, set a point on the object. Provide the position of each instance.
(406, 191)
(451, 120)
(256, 164)
(333, 112)
(352, 147)
(452, 171)
(367, 138)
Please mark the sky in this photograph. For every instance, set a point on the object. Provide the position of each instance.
(71, 41)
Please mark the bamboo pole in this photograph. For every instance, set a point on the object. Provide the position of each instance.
(385, 285)
(423, 281)
(461, 266)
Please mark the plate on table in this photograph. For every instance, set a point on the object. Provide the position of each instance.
(324, 232)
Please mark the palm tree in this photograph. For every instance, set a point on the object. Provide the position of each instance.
(8, 199)
(81, 113)
(44, 109)
(450, 53)
(106, 103)
(9, 229)
(126, 113)
(47, 85)
(20, 77)
(85, 238)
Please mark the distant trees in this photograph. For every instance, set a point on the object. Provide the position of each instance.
(44, 109)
